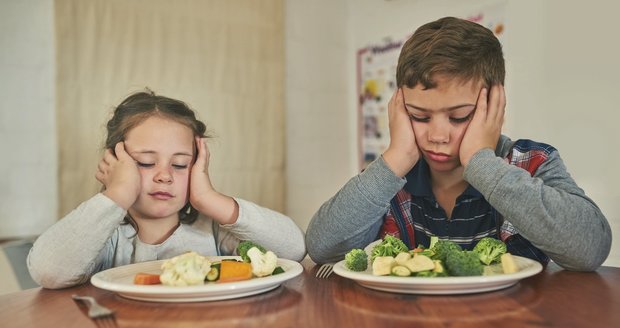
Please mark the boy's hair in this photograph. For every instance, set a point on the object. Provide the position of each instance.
(138, 107)
(453, 47)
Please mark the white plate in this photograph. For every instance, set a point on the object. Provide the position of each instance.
(441, 285)
(120, 281)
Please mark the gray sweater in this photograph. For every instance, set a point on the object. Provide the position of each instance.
(548, 209)
(91, 239)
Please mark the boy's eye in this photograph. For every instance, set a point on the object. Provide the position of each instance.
(461, 119)
(419, 119)
(179, 166)
(140, 164)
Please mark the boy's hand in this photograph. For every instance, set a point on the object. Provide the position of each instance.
(120, 176)
(402, 153)
(486, 125)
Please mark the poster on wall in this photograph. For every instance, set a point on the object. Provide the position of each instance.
(376, 76)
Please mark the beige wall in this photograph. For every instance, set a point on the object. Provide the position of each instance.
(224, 58)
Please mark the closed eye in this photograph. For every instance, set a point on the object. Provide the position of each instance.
(179, 167)
(140, 164)
(461, 119)
(419, 119)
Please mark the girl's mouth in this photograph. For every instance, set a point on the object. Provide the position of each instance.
(161, 195)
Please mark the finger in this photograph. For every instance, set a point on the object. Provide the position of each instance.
(100, 177)
(502, 103)
(108, 156)
(481, 105)
(102, 166)
(119, 150)
(494, 103)
(201, 157)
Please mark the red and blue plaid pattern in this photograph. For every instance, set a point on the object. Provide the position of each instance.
(399, 221)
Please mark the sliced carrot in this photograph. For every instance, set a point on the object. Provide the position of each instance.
(235, 271)
(146, 279)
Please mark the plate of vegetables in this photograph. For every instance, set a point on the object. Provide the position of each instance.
(442, 268)
(191, 277)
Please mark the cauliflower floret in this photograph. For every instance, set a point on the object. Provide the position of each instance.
(263, 264)
(185, 270)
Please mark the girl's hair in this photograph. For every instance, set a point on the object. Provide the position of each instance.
(138, 107)
(454, 47)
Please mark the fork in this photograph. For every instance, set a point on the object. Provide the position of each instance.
(102, 316)
(325, 270)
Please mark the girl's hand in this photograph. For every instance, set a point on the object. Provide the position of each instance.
(120, 176)
(200, 187)
(486, 125)
(402, 153)
(203, 196)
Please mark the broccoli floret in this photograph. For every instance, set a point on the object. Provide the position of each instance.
(244, 247)
(464, 263)
(390, 246)
(490, 250)
(356, 260)
(442, 248)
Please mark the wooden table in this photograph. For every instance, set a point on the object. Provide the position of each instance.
(553, 298)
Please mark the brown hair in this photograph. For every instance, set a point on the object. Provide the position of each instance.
(454, 47)
(138, 107)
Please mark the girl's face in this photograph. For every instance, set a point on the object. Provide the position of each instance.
(163, 150)
(440, 117)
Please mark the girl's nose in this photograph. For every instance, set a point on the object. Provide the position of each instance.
(163, 176)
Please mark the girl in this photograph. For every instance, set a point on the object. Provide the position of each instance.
(157, 202)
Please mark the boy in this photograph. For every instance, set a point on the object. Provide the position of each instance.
(449, 172)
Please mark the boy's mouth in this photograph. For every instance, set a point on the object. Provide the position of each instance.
(437, 157)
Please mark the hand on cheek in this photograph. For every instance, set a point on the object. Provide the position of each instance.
(120, 176)
(486, 125)
(203, 196)
(402, 153)
(200, 187)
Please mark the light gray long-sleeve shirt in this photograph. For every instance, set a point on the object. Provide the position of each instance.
(91, 238)
(548, 209)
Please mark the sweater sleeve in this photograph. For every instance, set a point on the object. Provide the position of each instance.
(548, 208)
(70, 251)
(274, 231)
(352, 218)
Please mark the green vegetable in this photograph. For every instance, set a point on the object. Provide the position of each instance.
(244, 247)
(356, 260)
(463, 263)
(442, 248)
(277, 270)
(490, 250)
(214, 273)
(390, 246)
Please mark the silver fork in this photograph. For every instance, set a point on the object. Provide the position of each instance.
(325, 270)
(102, 316)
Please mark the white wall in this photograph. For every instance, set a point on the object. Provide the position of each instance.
(28, 192)
(562, 82)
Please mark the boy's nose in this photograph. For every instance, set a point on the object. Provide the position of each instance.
(439, 133)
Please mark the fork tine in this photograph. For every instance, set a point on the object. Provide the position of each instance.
(107, 321)
(325, 271)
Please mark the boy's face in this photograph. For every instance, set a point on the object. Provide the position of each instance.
(163, 150)
(440, 117)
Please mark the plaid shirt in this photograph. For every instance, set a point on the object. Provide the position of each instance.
(415, 214)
